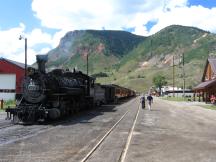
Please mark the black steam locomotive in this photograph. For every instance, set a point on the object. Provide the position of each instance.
(51, 95)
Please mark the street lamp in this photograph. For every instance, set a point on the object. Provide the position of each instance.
(20, 38)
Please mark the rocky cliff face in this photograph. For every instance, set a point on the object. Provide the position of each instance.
(76, 45)
(133, 60)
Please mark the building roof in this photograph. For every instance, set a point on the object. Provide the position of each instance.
(205, 85)
(212, 62)
(14, 62)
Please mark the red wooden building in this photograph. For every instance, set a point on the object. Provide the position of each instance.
(11, 75)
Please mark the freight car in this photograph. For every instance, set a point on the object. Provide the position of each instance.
(51, 95)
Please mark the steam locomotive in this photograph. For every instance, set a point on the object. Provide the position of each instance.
(51, 95)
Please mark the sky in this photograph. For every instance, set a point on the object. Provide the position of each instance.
(45, 22)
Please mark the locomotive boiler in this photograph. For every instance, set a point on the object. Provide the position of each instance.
(50, 95)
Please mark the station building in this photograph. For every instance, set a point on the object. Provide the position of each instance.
(11, 76)
(207, 87)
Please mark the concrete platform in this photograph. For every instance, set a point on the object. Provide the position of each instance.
(174, 132)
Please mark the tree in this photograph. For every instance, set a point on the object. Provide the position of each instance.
(159, 81)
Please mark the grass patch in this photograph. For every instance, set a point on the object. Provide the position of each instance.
(212, 107)
(10, 103)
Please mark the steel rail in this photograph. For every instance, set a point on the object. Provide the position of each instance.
(125, 150)
(104, 137)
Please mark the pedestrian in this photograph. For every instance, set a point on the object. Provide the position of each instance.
(142, 101)
(150, 101)
(1, 103)
(212, 98)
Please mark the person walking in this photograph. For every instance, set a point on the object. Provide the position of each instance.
(150, 101)
(142, 101)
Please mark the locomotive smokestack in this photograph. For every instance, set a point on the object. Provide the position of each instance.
(41, 60)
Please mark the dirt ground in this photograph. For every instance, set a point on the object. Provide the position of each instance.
(174, 132)
(171, 132)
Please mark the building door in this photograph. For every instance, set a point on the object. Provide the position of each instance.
(7, 86)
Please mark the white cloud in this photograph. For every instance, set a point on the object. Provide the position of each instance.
(13, 48)
(37, 36)
(141, 30)
(8, 39)
(68, 15)
(72, 14)
(92, 14)
(196, 16)
(118, 14)
(57, 36)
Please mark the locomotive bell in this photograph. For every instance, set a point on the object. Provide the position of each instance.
(41, 60)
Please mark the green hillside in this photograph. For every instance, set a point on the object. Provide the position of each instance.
(132, 60)
(158, 51)
(104, 49)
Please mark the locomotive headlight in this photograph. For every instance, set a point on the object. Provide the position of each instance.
(33, 90)
(33, 86)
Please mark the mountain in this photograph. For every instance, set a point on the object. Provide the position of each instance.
(104, 49)
(132, 60)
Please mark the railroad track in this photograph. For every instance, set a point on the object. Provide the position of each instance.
(123, 154)
(10, 123)
(5, 124)
(20, 131)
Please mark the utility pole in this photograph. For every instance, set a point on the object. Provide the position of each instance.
(173, 76)
(183, 75)
(151, 47)
(87, 64)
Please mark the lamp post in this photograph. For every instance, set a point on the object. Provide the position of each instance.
(20, 38)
